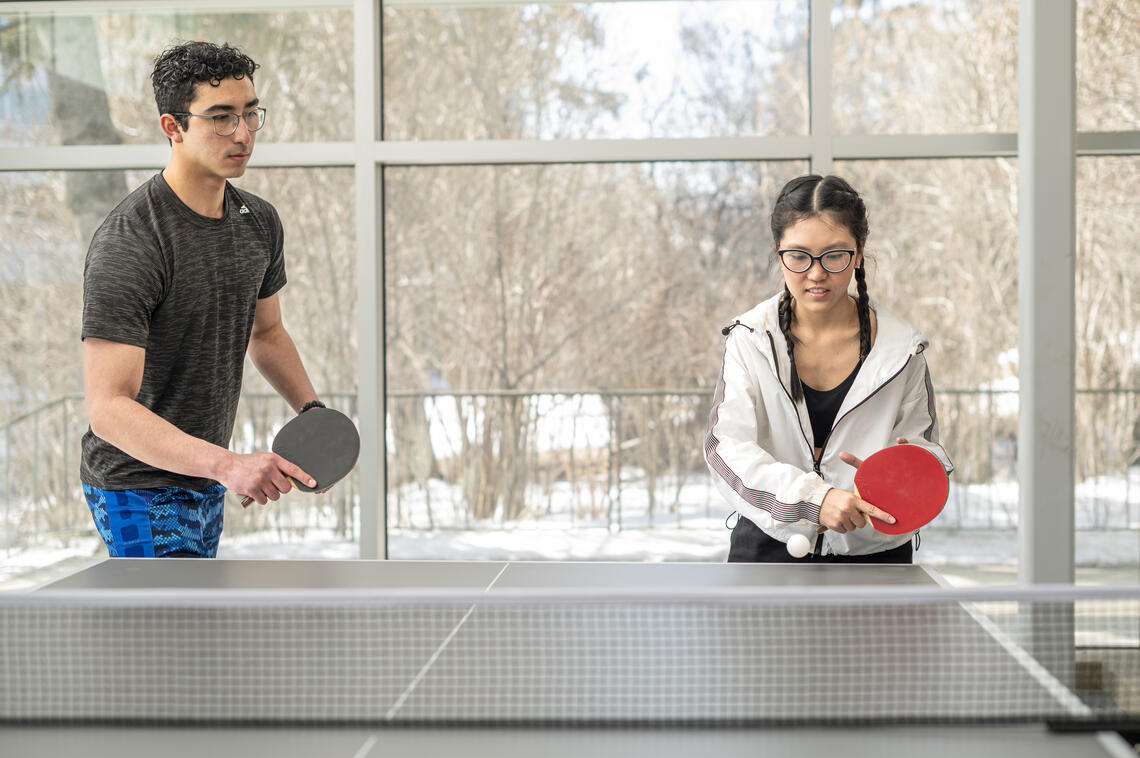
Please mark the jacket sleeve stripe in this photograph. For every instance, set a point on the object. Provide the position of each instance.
(931, 432)
(786, 512)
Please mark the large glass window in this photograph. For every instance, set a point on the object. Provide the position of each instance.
(1108, 66)
(937, 67)
(624, 69)
(83, 78)
(942, 253)
(552, 331)
(318, 307)
(49, 218)
(1108, 361)
(553, 335)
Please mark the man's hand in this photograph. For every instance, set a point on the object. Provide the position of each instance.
(261, 476)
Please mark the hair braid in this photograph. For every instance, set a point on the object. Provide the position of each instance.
(790, 339)
(863, 306)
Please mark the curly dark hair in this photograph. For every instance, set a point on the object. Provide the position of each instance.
(179, 69)
(813, 195)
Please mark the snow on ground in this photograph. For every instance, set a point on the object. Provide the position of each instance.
(976, 535)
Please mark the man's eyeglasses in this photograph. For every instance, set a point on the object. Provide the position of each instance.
(799, 261)
(226, 124)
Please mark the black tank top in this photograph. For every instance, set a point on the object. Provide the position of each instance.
(822, 405)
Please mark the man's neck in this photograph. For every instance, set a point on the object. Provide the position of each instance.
(205, 195)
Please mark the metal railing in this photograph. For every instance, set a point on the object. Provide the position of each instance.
(619, 459)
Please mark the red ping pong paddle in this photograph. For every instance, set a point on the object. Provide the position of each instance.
(906, 481)
(321, 441)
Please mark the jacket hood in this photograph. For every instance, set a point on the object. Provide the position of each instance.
(896, 340)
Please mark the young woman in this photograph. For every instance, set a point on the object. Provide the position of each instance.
(814, 380)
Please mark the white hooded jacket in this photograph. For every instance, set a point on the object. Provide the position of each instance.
(758, 446)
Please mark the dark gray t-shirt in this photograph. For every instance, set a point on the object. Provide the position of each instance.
(184, 287)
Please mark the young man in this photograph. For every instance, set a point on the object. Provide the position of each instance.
(181, 279)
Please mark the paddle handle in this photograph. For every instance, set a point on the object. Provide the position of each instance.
(865, 515)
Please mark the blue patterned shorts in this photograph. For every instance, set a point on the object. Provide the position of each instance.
(158, 522)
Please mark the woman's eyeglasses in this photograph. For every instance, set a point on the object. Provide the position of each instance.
(799, 261)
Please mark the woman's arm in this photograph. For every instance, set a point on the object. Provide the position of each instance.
(749, 476)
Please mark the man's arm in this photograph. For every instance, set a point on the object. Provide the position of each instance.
(276, 357)
(112, 375)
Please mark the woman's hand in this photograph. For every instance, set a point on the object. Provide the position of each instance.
(843, 510)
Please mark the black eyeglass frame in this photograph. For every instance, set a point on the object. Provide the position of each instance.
(218, 118)
(814, 258)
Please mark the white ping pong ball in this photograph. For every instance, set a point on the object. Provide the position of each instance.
(798, 546)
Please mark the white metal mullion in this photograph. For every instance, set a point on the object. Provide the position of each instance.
(414, 152)
(372, 467)
(84, 157)
(1108, 143)
(99, 7)
(1046, 297)
(288, 154)
(500, 3)
(887, 146)
(819, 85)
(450, 152)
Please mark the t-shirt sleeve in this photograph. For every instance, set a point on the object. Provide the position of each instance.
(123, 283)
(275, 272)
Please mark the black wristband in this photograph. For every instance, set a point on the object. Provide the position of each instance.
(312, 404)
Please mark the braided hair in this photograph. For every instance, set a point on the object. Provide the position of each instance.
(808, 196)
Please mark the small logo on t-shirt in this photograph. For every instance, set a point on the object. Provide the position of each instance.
(243, 209)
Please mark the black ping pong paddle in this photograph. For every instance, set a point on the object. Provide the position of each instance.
(321, 441)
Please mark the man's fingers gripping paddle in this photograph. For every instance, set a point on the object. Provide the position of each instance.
(287, 477)
(322, 445)
(906, 481)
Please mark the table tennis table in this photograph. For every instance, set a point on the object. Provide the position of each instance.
(485, 737)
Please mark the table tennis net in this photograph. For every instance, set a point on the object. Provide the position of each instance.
(737, 657)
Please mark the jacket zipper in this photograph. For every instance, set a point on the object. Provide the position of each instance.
(816, 461)
(817, 548)
(819, 542)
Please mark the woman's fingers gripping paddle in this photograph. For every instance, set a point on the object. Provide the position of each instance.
(843, 511)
